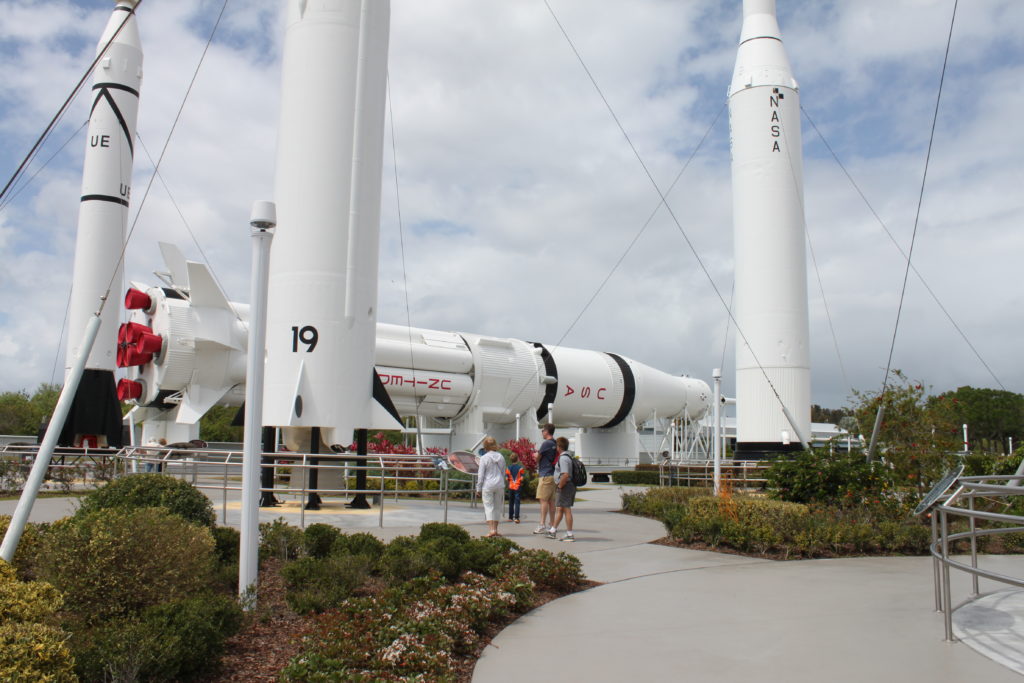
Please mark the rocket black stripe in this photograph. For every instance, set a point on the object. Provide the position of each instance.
(104, 93)
(759, 37)
(116, 86)
(628, 394)
(123, 9)
(104, 198)
(551, 390)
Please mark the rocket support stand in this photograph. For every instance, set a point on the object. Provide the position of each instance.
(359, 501)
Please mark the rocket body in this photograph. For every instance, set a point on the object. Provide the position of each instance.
(322, 308)
(768, 216)
(102, 221)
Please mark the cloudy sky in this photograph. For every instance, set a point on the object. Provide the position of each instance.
(519, 194)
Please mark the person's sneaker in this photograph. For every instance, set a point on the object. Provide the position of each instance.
(551, 534)
(517, 520)
(540, 530)
(569, 538)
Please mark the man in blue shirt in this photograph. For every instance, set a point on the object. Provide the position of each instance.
(546, 455)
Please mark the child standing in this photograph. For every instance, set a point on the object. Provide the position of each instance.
(514, 476)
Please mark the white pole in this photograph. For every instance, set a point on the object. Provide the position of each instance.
(716, 403)
(965, 438)
(264, 218)
(53, 429)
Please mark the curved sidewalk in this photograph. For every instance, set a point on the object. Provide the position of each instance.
(668, 614)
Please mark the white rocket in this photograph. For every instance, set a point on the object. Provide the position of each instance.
(473, 384)
(768, 216)
(102, 219)
(322, 308)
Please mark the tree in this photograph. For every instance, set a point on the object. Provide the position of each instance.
(991, 415)
(215, 425)
(828, 415)
(22, 414)
(918, 437)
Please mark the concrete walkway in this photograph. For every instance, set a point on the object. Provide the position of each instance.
(668, 614)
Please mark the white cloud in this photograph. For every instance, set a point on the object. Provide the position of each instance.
(519, 193)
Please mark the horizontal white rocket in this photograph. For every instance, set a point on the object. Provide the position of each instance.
(772, 347)
(95, 415)
(477, 384)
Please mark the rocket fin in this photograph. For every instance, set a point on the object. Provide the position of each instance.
(196, 401)
(203, 289)
(382, 409)
(301, 385)
(176, 264)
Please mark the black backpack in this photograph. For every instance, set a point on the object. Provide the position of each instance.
(579, 472)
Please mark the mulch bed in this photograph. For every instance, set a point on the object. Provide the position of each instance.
(269, 638)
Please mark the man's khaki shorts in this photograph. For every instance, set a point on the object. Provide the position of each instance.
(546, 488)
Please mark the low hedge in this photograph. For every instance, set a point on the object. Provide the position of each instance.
(648, 477)
(773, 528)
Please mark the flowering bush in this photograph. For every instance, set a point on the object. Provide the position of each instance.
(409, 632)
(416, 628)
(525, 450)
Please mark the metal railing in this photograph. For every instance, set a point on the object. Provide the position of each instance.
(220, 471)
(742, 475)
(967, 491)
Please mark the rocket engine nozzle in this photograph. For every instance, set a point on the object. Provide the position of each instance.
(136, 345)
(137, 300)
(129, 390)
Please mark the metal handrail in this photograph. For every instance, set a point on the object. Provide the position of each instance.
(212, 470)
(967, 490)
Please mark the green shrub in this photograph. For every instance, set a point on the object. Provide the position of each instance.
(198, 627)
(358, 544)
(227, 541)
(654, 502)
(445, 554)
(561, 572)
(281, 540)
(319, 538)
(31, 650)
(817, 476)
(403, 559)
(28, 547)
(318, 584)
(150, 491)
(168, 642)
(626, 477)
(117, 561)
(484, 555)
(441, 530)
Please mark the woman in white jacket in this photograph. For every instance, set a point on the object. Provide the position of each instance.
(490, 482)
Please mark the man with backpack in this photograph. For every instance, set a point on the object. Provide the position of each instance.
(565, 494)
(514, 476)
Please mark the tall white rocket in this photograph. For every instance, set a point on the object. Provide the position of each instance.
(322, 301)
(102, 224)
(768, 217)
